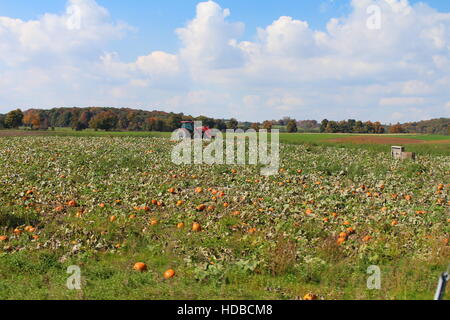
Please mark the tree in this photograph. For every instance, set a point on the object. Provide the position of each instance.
(324, 125)
(292, 126)
(2, 121)
(255, 126)
(396, 129)
(267, 125)
(32, 119)
(233, 124)
(14, 119)
(220, 125)
(174, 122)
(106, 120)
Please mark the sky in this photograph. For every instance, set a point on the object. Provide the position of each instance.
(379, 60)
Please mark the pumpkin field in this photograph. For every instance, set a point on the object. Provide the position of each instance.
(140, 227)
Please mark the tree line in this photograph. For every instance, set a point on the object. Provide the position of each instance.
(126, 119)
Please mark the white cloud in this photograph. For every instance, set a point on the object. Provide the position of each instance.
(288, 68)
(401, 101)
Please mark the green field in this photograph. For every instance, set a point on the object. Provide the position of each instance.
(263, 238)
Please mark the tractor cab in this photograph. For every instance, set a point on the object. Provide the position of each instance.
(190, 127)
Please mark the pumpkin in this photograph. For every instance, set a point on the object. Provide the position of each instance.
(17, 231)
(113, 218)
(394, 223)
(310, 297)
(102, 205)
(180, 225)
(154, 222)
(180, 203)
(72, 203)
(367, 238)
(172, 190)
(198, 190)
(201, 207)
(343, 235)
(196, 227)
(309, 211)
(30, 229)
(140, 266)
(341, 241)
(154, 202)
(169, 274)
(3, 238)
(351, 230)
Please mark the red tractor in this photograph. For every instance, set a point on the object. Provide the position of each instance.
(203, 132)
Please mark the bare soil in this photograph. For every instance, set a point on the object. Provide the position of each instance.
(377, 140)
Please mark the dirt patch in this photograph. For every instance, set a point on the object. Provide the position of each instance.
(438, 142)
(376, 140)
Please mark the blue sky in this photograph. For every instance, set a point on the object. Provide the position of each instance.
(263, 59)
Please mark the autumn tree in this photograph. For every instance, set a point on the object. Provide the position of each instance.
(14, 119)
(106, 120)
(397, 128)
(267, 125)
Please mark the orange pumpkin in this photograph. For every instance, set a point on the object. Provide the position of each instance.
(72, 203)
(201, 207)
(196, 227)
(113, 218)
(310, 297)
(198, 190)
(180, 203)
(343, 235)
(3, 238)
(180, 225)
(169, 274)
(140, 266)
